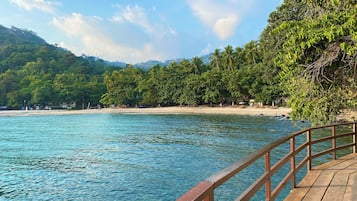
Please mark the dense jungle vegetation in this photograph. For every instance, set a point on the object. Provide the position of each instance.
(306, 56)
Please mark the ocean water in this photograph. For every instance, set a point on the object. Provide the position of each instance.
(127, 156)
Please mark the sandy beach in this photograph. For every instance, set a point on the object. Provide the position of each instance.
(254, 111)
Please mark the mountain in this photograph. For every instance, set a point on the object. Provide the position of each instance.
(148, 64)
(18, 47)
(16, 36)
(116, 64)
(36, 74)
(19, 36)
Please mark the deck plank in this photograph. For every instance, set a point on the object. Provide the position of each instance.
(337, 187)
(350, 194)
(335, 180)
(304, 186)
(318, 189)
(339, 184)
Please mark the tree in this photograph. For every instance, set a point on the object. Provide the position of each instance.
(197, 65)
(234, 87)
(239, 57)
(319, 59)
(166, 85)
(78, 88)
(215, 90)
(9, 82)
(228, 58)
(149, 87)
(193, 90)
(216, 59)
(122, 87)
(251, 53)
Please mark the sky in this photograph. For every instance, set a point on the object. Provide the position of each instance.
(134, 31)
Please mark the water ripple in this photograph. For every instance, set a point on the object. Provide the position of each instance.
(123, 157)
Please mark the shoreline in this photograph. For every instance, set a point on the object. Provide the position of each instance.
(228, 110)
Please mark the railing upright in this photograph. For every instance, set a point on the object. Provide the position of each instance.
(292, 162)
(267, 170)
(333, 141)
(308, 139)
(354, 137)
(210, 196)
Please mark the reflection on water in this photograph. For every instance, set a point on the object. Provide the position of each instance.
(125, 157)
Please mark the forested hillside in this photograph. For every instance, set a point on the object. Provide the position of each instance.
(34, 73)
(306, 56)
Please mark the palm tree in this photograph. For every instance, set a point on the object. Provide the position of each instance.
(215, 58)
(238, 56)
(228, 58)
(196, 65)
(252, 52)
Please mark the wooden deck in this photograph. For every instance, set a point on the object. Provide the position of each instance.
(332, 181)
(335, 180)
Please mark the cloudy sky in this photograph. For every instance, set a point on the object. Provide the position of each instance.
(135, 31)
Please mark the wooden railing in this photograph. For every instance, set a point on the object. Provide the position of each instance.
(205, 189)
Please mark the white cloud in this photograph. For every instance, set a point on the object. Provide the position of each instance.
(92, 39)
(134, 15)
(223, 17)
(225, 27)
(42, 5)
(134, 23)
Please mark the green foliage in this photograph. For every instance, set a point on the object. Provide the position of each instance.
(122, 87)
(318, 59)
(232, 75)
(37, 74)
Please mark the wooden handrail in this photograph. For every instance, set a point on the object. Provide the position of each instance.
(205, 189)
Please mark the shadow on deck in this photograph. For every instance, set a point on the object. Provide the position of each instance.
(331, 181)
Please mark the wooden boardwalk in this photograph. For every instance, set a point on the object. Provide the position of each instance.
(335, 180)
(332, 181)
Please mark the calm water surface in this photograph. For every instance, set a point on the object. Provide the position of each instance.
(125, 157)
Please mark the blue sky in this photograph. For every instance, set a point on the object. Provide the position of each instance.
(135, 31)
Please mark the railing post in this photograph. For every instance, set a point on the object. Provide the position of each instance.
(354, 127)
(292, 161)
(210, 196)
(308, 140)
(268, 182)
(333, 132)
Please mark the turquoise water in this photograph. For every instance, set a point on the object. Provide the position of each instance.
(125, 156)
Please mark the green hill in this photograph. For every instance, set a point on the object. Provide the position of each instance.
(35, 73)
(19, 36)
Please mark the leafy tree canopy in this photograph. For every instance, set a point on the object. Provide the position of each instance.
(317, 57)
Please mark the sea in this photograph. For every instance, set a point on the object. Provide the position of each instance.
(129, 156)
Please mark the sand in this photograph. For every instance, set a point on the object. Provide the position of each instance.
(254, 111)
